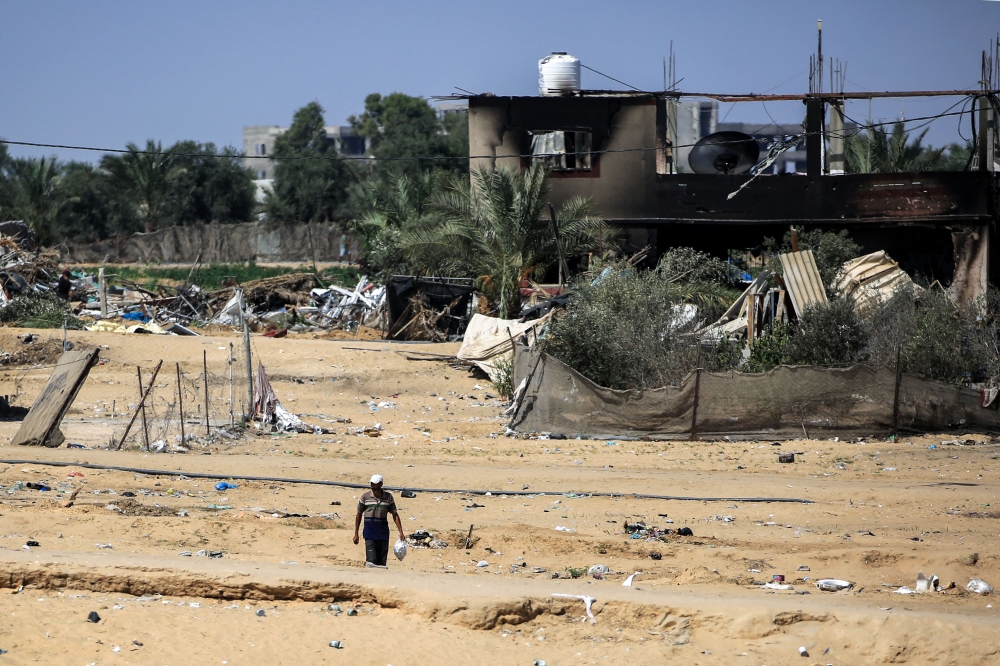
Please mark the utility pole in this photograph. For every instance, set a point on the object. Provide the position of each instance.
(204, 360)
(232, 419)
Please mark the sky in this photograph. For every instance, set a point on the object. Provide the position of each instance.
(103, 73)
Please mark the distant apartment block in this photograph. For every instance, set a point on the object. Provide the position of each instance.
(258, 146)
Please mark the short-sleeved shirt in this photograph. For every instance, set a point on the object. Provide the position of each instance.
(375, 512)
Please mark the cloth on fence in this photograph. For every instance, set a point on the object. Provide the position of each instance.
(266, 404)
(785, 402)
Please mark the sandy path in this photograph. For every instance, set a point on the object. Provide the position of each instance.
(879, 511)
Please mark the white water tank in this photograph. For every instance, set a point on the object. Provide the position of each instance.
(558, 74)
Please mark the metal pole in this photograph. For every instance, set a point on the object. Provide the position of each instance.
(563, 267)
(232, 421)
(142, 407)
(204, 360)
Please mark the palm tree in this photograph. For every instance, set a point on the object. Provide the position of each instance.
(144, 175)
(496, 227)
(878, 150)
(401, 204)
(33, 184)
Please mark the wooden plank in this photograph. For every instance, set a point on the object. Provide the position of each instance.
(41, 426)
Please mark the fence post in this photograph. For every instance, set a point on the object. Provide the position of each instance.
(694, 410)
(145, 430)
(895, 398)
(204, 360)
(180, 401)
(232, 420)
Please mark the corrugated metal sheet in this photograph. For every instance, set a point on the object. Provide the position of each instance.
(805, 286)
(871, 279)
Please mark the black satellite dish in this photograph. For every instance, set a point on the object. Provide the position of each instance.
(725, 153)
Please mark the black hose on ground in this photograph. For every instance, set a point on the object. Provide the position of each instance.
(364, 486)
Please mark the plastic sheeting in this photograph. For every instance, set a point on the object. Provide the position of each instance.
(785, 402)
(487, 338)
(871, 280)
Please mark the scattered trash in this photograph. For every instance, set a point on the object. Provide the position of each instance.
(260, 612)
(93, 617)
(979, 586)
(684, 531)
(37, 486)
(803, 568)
(587, 601)
(483, 563)
(803, 652)
(334, 607)
(32, 544)
(925, 584)
(655, 556)
(776, 585)
(563, 528)
(399, 550)
(336, 644)
(628, 581)
(352, 612)
(104, 545)
(833, 585)
(786, 457)
(223, 485)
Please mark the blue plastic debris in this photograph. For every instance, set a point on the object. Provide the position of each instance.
(135, 316)
(932, 446)
(223, 485)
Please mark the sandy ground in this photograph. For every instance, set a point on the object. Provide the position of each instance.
(877, 512)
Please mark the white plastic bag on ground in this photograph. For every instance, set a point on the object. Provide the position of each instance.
(399, 550)
(979, 586)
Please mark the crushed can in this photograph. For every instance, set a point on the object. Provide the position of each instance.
(337, 644)
(351, 612)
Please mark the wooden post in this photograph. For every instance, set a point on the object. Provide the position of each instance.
(895, 399)
(468, 539)
(142, 407)
(232, 419)
(694, 409)
(180, 400)
(142, 401)
(102, 292)
(249, 361)
(204, 360)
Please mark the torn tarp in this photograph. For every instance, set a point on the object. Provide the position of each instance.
(265, 404)
(488, 338)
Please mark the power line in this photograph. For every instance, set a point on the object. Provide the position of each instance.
(367, 158)
(610, 77)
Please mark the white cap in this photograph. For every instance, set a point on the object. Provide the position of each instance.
(376, 478)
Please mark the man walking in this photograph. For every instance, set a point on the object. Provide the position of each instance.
(375, 505)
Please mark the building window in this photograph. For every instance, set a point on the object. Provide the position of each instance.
(562, 150)
(261, 149)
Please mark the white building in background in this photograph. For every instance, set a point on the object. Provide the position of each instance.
(258, 146)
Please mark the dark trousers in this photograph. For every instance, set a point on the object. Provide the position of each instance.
(376, 551)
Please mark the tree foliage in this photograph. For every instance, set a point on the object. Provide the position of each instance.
(401, 126)
(310, 184)
(880, 150)
(497, 229)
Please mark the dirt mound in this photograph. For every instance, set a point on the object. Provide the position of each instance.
(130, 507)
(32, 353)
(874, 558)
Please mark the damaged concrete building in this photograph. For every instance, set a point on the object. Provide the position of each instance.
(622, 150)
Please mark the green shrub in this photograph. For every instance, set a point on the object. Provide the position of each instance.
(35, 309)
(831, 336)
(503, 380)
